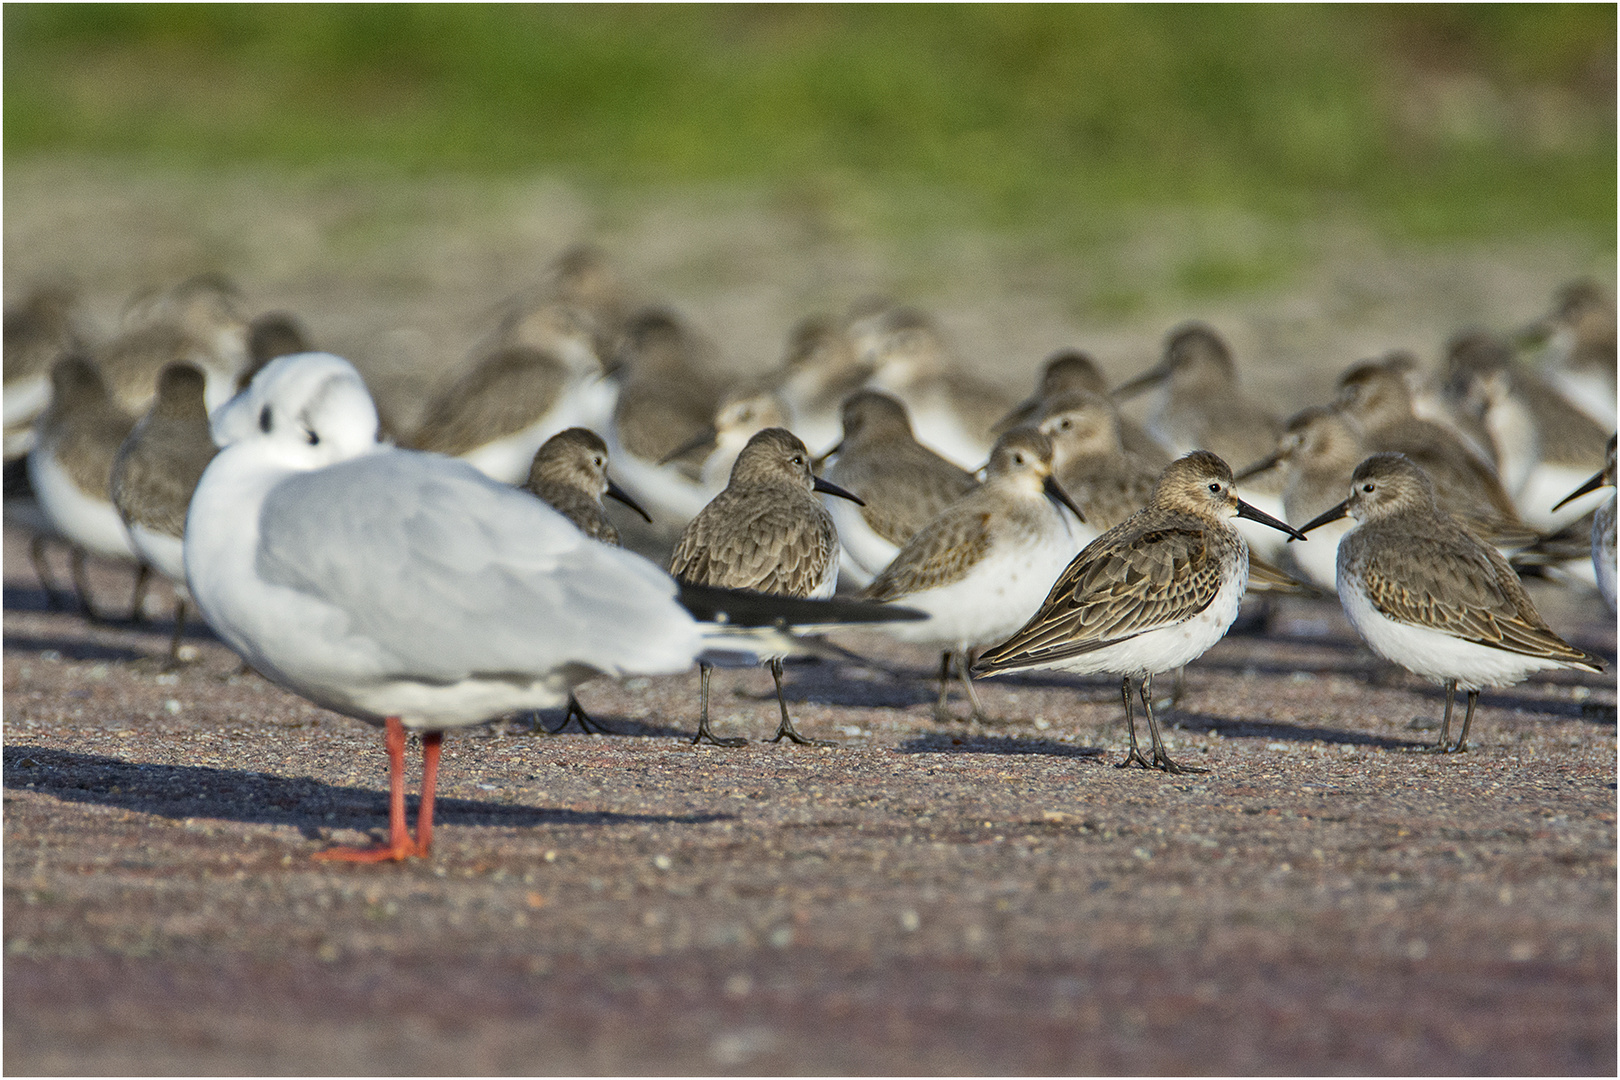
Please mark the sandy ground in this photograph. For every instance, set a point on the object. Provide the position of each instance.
(924, 898)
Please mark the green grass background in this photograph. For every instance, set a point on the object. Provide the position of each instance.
(1431, 122)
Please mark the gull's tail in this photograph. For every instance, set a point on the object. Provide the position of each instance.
(744, 627)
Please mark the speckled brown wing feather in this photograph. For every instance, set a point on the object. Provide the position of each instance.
(499, 397)
(937, 555)
(1451, 583)
(1157, 569)
(758, 540)
(904, 490)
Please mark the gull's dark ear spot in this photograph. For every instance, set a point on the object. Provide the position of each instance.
(264, 419)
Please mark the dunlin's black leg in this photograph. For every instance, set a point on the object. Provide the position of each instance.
(137, 599)
(703, 734)
(784, 730)
(1161, 758)
(1444, 746)
(42, 570)
(1468, 719)
(586, 724)
(1135, 756)
(942, 712)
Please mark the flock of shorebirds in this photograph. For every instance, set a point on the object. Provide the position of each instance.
(468, 569)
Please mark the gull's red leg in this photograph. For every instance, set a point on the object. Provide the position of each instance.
(400, 844)
(432, 743)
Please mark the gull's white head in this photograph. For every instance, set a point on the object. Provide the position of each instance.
(308, 410)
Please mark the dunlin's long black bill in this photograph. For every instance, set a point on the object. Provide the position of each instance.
(706, 437)
(1324, 517)
(1247, 511)
(1259, 467)
(1138, 384)
(617, 492)
(1055, 492)
(833, 489)
(1593, 484)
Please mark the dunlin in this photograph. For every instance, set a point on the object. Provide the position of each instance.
(70, 470)
(577, 310)
(981, 568)
(1378, 402)
(1201, 407)
(766, 532)
(270, 336)
(1149, 595)
(1069, 371)
(667, 397)
(1090, 461)
(951, 410)
(904, 484)
(39, 328)
(497, 414)
(1426, 594)
(819, 371)
(409, 590)
(746, 410)
(569, 474)
(1580, 336)
(1543, 444)
(1602, 525)
(196, 322)
(153, 477)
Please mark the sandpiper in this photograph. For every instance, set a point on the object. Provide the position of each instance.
(410, 591)
(70, 471)
(195, 322)
(153, 477)
(1378, 402)
(271, 335)
(39, 328)
(569, 474)
(1201, 407)
(1580, 336)
(904, 484)
(818, 372)
(668, 396)
(951, 410)
(766, 532)
(1543, 444)
(498, 413)
(746, 410)
(1070, 370)
(1090, 461)
(577, 310)
(1148, 595)
(1426, 594)
(981, 568)
(1602, 526)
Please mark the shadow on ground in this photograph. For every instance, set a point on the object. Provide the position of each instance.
(195, 791)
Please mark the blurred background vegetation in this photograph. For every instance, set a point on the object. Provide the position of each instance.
(1426, 122)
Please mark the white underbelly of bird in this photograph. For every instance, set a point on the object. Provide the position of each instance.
(1435, 655)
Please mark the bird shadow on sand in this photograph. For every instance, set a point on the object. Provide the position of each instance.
(1236, 728)
(313, 807)
(966, 742)
(72, 648)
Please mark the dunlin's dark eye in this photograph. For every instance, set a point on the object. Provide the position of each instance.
(798, 459)
(264, 419)
(1215, 489)
(1367, 487)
